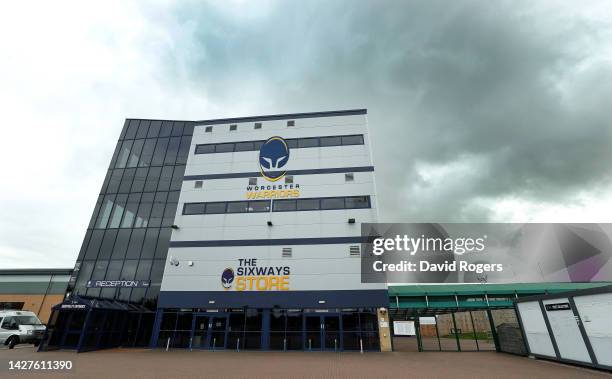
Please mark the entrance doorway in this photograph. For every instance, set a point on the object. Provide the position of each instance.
(209, 332)
(323, 332)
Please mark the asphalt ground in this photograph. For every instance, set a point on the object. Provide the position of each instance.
(142, 363)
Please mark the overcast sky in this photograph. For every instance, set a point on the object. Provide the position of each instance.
(478, 110)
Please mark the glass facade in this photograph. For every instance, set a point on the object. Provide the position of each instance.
(269, 329)
(129, 232)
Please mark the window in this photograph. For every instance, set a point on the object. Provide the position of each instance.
(331, 141)
(208, 129)
(215, 208)
(352, 140)
(291, 123)
(252, 181)
(349, 177)
(259, 206)
(287, 252)
(244, 146)
(284, 205)
(288, 179)
(354, 251)
(193, 208)
(9, 323)
(233, 128)
(205, 149)
(280, 205)
(333, 203)
(198, 184)
(307, 204)
(356, 202)
(237, 207)
(256, 145)
(257, 125)
(224, 148)
(308, 142)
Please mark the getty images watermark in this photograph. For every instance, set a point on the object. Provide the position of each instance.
(485, 253)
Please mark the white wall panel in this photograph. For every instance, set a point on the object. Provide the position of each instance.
(565, 330)
(596, 315)
(313, 267)
(535, 329)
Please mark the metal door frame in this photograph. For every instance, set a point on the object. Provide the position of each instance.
(207, 341)
(322, 331)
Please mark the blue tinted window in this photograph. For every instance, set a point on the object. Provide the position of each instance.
(143, 128)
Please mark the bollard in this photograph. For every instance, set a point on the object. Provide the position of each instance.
(335, 344)
(190, 343)
(168, 344)
(309, 344)
(361, 345)
(285, 344)
(214, 343)
(238, 344)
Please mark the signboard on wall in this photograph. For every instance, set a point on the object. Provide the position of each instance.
(403, 328)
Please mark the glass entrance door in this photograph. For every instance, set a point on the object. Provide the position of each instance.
(322, 332)
(217, 332)
(200, 332)
(312, 328)
(209, 331)
(331, 332)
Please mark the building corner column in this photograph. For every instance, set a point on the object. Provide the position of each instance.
(384, 331)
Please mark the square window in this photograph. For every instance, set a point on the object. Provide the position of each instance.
(208, 129)
(237, 207)
(332, 203)
(224, 148)
(291, 123)
(244, 146)
(357, 202)
(292, 143)
(215, 208)
(331, 141)
(288, 179)
(205, 149)
(233, 127)
(198, 184)
(352, 140)
(349, 177)
(252, 181)
(259, 206)
(284, 205)
(308, 142)
(257, 125)
(193, 208)
(307, 204)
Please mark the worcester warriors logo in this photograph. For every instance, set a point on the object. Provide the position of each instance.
(273, 156)
(227, 278)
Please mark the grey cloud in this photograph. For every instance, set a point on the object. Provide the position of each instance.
(441, 80)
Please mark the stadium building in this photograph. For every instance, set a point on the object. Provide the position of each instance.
(239, 233)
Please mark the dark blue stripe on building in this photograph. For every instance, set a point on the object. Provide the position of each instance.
(271, 242)
(271, 299)
(314, 171)
(288, 116)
